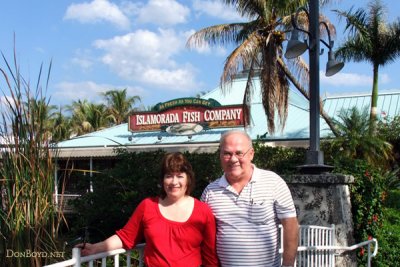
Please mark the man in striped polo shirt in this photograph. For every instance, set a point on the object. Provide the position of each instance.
(248, 204)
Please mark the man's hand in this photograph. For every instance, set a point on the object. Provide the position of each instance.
(290, 241)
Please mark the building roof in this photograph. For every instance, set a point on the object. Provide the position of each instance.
(296, 131)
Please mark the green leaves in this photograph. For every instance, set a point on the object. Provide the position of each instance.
(29, 220)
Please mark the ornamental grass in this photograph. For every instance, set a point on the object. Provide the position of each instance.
(29, 219)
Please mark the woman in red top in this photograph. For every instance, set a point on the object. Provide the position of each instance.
(179, 230)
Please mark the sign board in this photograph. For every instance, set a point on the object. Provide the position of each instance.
(186, 116)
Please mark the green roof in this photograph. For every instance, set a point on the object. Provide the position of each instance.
(296, 128)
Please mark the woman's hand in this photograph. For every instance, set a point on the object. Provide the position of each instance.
(87, 248)
(111, 243)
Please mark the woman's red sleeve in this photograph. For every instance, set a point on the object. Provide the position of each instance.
(132, 233)
(208, 249)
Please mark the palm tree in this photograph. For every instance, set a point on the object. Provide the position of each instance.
(79, 123)
(40, 116)
(62, 128)
(88, 117)
(355, 140)
(201, 93)
(259, 51)
(120, 105)
(98, 117)
(370, 39)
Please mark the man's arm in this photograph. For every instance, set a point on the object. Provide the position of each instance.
(290, 240)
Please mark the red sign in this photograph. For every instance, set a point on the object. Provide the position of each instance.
(187, 119)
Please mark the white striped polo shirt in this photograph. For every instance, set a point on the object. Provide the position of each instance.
(247, 223)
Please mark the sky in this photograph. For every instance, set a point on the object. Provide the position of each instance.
(100, 45)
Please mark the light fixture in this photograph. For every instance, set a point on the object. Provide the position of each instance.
(333, 66)
(295, 47)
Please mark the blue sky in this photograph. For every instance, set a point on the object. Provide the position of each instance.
(98, 45)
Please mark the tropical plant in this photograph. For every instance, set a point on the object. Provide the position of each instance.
(389, 129)
(62, 128)
(41, 115)
(370, 39)
(97, 116)
(259, 51)
(79, 123)
(201, 93)
(88, 117)
(29, 220)
(120, 105)
(355, 140)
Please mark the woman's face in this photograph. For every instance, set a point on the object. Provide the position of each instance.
(175, 184)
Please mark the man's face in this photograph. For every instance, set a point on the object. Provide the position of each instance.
(236, 155)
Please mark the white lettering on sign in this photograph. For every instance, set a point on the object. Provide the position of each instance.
(222, 115)
(191, 116)
(157, 119)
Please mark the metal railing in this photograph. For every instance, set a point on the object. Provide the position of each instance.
(77, 260)
(317, 246)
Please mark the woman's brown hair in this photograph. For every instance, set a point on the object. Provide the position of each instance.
(176, 162)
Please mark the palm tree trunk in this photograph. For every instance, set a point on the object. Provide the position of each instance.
(306, 94)
(374, 100)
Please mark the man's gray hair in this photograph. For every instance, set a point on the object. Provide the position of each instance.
(230, 132)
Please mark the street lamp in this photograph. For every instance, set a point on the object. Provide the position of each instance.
(314, 156)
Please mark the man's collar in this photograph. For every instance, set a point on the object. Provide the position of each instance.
(223, 182)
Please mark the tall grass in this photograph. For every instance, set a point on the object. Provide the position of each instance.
(29, 220)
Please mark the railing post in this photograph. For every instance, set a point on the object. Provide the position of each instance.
(76, 254)
(141, 252)
(116, 260)
(369, 254)
(128, 258)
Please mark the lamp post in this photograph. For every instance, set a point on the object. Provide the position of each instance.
(314, 157)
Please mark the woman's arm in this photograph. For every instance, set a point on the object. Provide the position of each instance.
(208, 249)
(111, 243)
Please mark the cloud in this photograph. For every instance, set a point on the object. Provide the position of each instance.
(87, 90)
(97, 11)
(177, 79)
(163, 12)
(83, 63)
(147, 57)
(351, 79)
(346, 79)
(216, 9)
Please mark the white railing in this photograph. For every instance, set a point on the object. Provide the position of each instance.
(316, 249)
(77, 260)
(317, 246)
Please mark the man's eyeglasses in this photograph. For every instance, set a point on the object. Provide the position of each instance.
(238, 154)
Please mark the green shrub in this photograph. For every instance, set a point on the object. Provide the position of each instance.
(389, 239)
(367, 196)
(117, 191)
(389, 233)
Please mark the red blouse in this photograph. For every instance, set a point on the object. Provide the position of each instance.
(170, 243)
